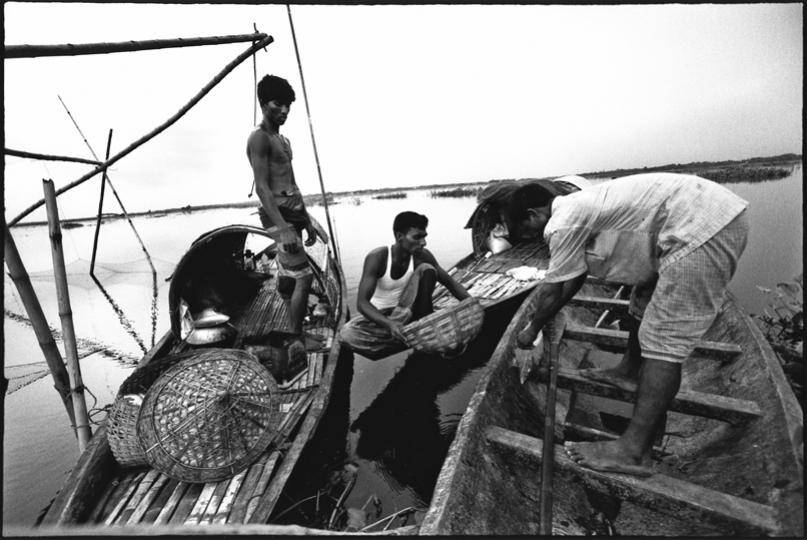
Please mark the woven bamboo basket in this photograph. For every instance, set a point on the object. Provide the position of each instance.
(121, 423)
(447, 329)
(121, 431)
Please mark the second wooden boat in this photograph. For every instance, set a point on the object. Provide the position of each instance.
(729, 460)
(102, 491)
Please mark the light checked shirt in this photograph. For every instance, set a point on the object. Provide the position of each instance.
(627, 229)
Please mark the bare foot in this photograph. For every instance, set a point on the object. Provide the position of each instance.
(611, 376)
(607, 456)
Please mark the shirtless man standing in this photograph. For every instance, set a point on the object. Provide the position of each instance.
(282, 211)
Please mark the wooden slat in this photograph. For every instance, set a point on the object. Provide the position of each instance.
(119, 506)
(160, 501)
(186, 503)
(691, 402)
(658, 492)
(167, 511)
(612, 304)
(137, 496)
(263, 482)
(201, 503)
(619, 338)
(239, 508)
(215, 501)
(229, 496)
(145, 501)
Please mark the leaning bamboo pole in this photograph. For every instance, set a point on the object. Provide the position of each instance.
(66, 315)
(16, 269)
(47, 157)
(108, 163)
(70, 49)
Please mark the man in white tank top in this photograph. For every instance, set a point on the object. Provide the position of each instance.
(396, 287)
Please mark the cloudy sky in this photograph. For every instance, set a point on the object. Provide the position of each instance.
(400, 95)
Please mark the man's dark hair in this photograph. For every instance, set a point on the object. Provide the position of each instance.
(274, 87)
(409, 220)
(524, 198)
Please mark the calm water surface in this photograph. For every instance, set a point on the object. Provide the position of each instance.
(393, 418)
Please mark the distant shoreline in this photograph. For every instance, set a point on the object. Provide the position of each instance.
(723, 171)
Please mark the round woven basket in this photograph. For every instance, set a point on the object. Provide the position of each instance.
(121, 423)
(121, 431)
(447, 329)
(210, 416)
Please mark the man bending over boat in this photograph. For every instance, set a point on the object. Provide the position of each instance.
(395, 288)
(677, 238)
(282, 211)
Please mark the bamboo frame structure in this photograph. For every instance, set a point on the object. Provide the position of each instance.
(48, 157)
(69, 49)
(66, 316)
(159, 129)
(30, 301)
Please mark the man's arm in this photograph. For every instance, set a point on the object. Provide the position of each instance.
(258, 150)
(453, 286)
(373, 268)
(551, 298)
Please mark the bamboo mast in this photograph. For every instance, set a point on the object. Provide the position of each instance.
(313, 141)
(47, 157)
(66, 315)
(108, 163)
(69, 49)
(19, 276)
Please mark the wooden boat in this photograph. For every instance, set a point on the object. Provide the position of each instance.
(729, 461)
(99, 491)
(485, 274)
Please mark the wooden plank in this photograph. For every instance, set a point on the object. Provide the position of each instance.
(658, 492)
(612, 304)
(215, 501)
(619, 338)
(239, 509)
(732, 410)
(146, 500)
(201, 503)
(229, 496)
(137, 496)
(130, 489)
(173, 500)
(160, 501)
(263, 482)
(186, 503)
(105, 497)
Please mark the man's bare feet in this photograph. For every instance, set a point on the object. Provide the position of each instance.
(612, 376)
(607, 456)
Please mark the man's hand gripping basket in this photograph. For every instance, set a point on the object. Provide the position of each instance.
(447, 329)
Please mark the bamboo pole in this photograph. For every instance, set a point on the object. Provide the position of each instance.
(108, 163)
(554, 331)
(70, 49)
(336, 253)
(47, 157)
(19, 276)
(66, 315)
(100, 206)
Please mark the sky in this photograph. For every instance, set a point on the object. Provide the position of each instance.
(400, 95)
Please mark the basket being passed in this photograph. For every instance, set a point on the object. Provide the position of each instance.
(447, 329)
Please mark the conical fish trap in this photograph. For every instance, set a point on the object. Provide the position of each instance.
(210, 416)
(447, 329)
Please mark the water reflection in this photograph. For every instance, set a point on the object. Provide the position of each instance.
(404, 431)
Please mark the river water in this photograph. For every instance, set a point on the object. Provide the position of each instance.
(393, 419)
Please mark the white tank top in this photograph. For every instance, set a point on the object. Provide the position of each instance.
(388, 290)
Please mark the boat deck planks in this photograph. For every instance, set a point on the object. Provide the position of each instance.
(486, 277)
(727, 409)
(661, 492)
